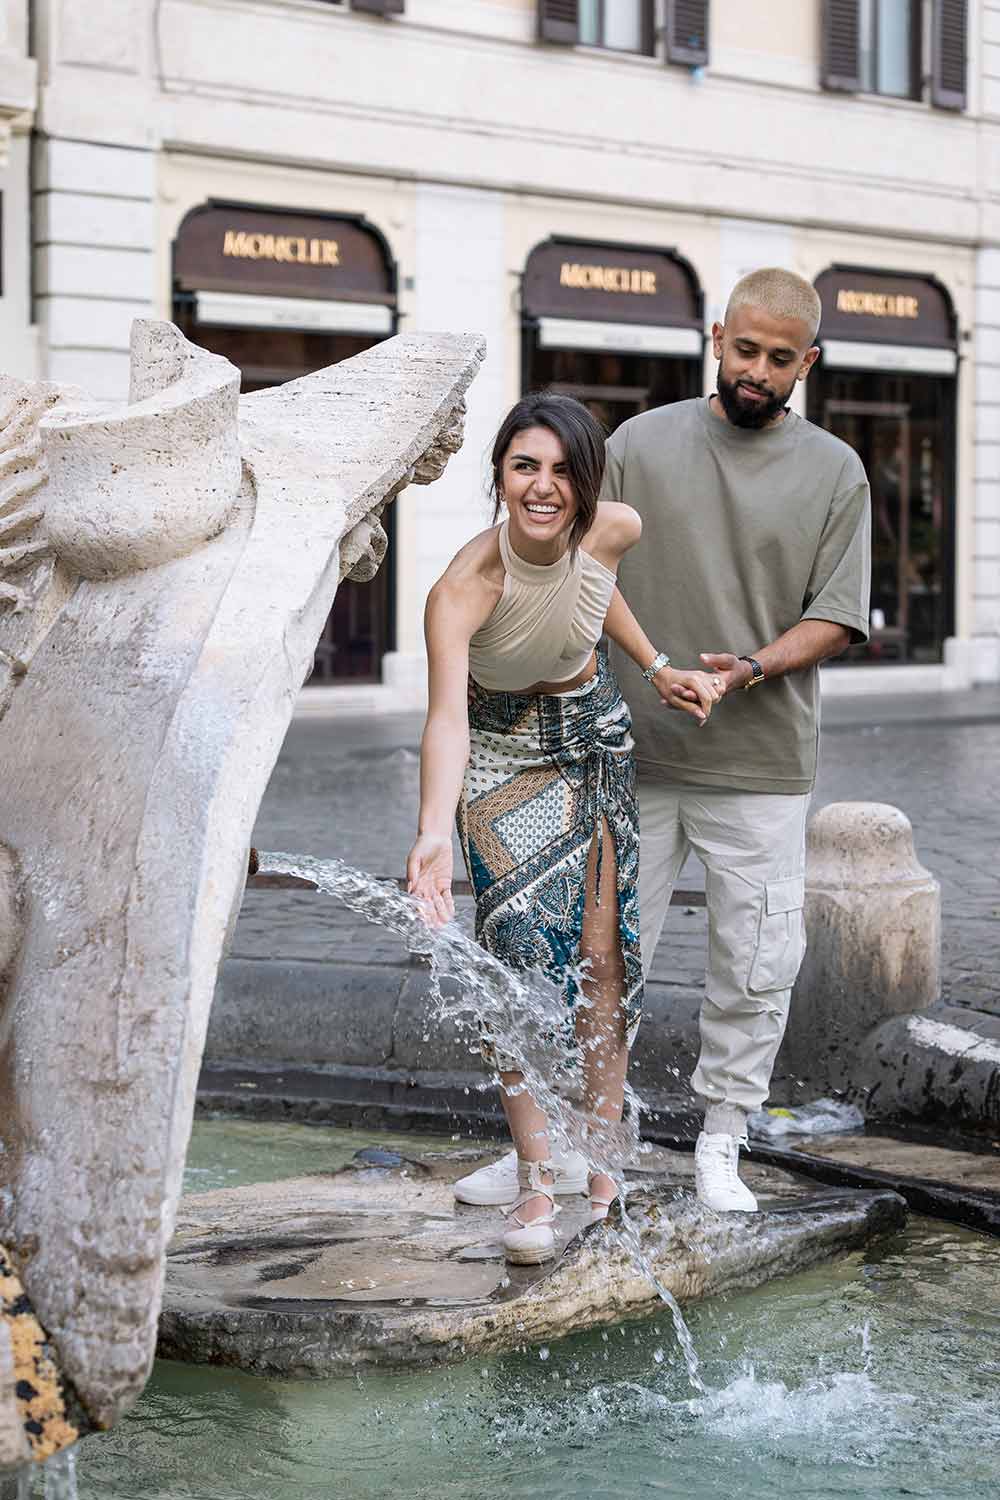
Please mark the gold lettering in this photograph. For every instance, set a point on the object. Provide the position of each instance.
(280, 247)
(235, 243)
(877, 304)
(629, 280)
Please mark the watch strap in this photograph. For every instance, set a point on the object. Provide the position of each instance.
(659, 661)
(756, 672)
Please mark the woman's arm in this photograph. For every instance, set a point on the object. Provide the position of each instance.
(616, 527)
(456, 607)
(692, 692)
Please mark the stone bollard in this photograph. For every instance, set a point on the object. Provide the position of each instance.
(873, 919)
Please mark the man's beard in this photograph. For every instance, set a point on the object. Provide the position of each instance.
(743, 413)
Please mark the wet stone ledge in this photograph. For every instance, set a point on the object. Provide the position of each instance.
(376, 1265)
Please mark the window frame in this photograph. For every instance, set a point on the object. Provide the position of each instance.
(647, 23)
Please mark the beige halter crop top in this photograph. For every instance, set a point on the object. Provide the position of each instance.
(547, 622)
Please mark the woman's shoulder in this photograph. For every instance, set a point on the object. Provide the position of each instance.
(616, 527)
(473, 577)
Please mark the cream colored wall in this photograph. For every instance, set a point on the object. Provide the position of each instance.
(18, 90)
(768, 41)
(18, 336)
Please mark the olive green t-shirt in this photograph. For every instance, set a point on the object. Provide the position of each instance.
(744, 533)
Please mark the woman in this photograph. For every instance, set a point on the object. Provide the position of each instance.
(528, 737)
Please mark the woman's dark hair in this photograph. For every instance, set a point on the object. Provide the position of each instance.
(582, 438)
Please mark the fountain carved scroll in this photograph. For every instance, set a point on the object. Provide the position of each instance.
(166, 566)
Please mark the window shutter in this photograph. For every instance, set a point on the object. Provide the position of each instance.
(380, 7)
(948, 53)
(687, 32)
(841, 45)
(559, 21)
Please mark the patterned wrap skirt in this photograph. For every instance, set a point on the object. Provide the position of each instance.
(545, 771)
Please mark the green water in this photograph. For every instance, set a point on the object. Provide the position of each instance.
(875, 1376)
(228, 1153)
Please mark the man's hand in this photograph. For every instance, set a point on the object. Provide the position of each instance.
(729, 670)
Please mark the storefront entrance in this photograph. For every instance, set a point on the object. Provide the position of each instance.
(900, 421)
(619, 327)
(281, 295)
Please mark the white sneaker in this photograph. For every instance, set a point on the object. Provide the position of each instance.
(497, 1183)
(716, 1175)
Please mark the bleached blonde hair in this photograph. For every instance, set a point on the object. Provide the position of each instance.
(780, 293)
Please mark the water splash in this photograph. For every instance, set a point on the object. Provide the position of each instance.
(60, 1476)
(525, 1014)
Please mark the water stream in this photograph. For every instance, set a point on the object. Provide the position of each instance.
(525, 1014)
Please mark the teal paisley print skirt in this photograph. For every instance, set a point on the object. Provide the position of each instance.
(545, 771)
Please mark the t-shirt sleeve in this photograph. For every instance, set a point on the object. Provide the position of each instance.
(840, 584)
(614, 466)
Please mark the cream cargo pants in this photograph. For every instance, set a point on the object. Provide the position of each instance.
(752, 845)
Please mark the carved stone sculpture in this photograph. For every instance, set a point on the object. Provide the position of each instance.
(166, 567)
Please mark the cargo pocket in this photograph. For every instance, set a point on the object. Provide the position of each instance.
(781, 937)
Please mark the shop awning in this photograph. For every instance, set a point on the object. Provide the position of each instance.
(246, 310)
(913, 359)
(624, 338)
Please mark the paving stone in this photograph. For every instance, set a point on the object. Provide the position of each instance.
(349, 787)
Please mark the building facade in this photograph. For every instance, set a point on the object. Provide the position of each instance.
(582, 181)
(18, 96)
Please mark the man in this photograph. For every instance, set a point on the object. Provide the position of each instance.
(754, 558)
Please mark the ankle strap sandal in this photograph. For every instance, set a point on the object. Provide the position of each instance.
(531, 1242)
(600, 1206)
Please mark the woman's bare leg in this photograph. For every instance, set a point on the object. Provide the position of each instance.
(600, 1025)
(600, 1030)
(530, 1131)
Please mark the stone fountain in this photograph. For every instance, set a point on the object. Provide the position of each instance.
(166, 567)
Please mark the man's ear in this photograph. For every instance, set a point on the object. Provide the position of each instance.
(812, 356)
(718, 330)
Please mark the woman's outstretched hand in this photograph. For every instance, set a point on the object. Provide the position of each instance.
(694, 693)
(428, 878)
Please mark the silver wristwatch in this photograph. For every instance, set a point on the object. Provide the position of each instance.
(661, 660)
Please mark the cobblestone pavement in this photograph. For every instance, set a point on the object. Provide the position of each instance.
(348, 787)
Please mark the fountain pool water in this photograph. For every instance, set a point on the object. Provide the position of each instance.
(875, 1376)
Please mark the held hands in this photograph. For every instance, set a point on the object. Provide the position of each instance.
(428, 877)
(695, 693)
(733, 670)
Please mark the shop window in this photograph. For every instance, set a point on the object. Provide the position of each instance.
(283, 293)
(902, 428)
(878, 47)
